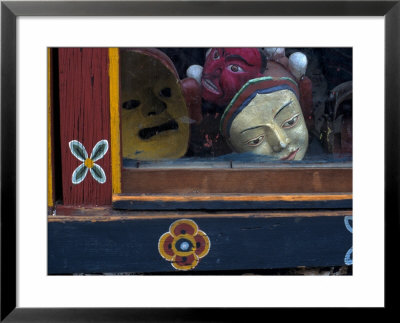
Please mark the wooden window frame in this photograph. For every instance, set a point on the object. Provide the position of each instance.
(272, 186)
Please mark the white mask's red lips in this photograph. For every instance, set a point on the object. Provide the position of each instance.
(291, 156)
(210, 86)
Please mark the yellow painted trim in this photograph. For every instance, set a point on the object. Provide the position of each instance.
(113, 54)
(50, 201)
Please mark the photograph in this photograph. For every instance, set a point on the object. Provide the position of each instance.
(260, 134)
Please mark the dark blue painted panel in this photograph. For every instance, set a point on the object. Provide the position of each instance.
(232, 205)
(236, 244)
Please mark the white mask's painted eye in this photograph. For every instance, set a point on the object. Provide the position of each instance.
(291, 122)
(255, 141)
(235, 68)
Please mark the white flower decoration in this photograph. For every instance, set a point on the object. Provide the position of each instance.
(348, 259)
(79, 151)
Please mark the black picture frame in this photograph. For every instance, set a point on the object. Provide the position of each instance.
(10, 10)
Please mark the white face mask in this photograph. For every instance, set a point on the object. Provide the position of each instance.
(271, 124)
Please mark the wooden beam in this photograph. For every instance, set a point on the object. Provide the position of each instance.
(252, 180)
(107, 214)
(85, 119)
(239, 243)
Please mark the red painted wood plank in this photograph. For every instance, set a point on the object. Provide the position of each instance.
(84, 117)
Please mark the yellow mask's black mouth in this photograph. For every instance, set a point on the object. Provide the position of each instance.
(148, 133)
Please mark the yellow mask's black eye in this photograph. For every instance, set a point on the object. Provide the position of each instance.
(131, 104)
(256, 141)
(166, 92)
(291, 122)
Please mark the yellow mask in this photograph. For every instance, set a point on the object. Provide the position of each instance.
(154, 116)
(270, 123)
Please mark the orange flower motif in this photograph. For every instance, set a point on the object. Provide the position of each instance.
(184, 244)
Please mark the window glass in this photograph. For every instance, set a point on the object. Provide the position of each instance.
(235, 106)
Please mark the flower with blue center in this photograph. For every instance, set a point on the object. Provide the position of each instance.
(88, 163)
(184, 244)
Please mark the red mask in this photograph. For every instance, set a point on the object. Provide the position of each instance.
(226, 70)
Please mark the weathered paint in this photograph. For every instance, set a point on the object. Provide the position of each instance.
(115, 120)
(240, 180)
(85, 117)
(244, 201)
(223, 205)
(237, 244)
(107, 214)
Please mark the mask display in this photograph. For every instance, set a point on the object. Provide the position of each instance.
(241, 100)
(154, 116)
(265, 118)
(226, 70)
